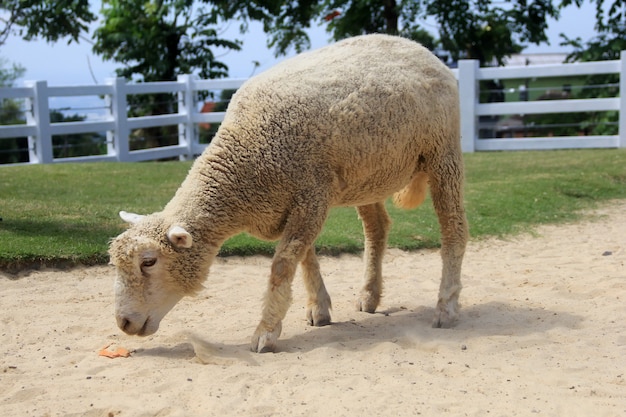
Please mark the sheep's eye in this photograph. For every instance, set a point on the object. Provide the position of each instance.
(146, 263)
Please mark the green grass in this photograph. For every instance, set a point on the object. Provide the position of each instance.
(66, 214)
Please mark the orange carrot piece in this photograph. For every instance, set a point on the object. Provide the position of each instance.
(120, 352)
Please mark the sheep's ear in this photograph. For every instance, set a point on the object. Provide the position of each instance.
(179, 237)
(131, 218)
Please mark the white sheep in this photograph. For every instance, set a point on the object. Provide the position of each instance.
(349, 124)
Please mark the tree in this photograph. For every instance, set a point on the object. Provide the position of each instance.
(12, 150)
(155, 41)
(489, 31)
(607, 45)
(15, 150)
(285, 21)
(51, 20)
(611, 33)
(64, 146)
(207, 130)
(478, 29)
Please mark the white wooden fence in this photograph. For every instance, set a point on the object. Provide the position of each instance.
(118, 125)
(469, 74)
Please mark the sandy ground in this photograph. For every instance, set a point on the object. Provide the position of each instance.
(541, 333)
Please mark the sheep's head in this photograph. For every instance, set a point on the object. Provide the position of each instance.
(153, 261)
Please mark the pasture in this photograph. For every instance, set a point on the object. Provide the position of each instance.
(65, 214)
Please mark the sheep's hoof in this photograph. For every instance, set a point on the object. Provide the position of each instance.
(367, 302)
(317, 316)
(446, 315)
(264, 341)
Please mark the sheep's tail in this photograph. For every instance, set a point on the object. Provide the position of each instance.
(414, 193)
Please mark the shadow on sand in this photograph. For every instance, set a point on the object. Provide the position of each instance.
(369, 330)
(482, 320)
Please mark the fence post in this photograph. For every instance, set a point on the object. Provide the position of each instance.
(468, 92)
(622, 101)
(39, 146)
(117, 140)
(187, 133)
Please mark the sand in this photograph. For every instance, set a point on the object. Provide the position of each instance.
(541, 333)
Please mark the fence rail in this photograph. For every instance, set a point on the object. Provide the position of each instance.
(118, 125)
(469, 74)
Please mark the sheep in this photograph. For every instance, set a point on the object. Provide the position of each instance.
(349, 124)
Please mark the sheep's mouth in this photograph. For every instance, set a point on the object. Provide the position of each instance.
(148, 328)
(143, 330)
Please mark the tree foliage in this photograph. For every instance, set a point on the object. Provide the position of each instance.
(11, 149)
(611, 33)
(51, 20)
(156, 40)
(478, 29)
(15, 150)
(285, 21)
(486, 30)
(606, 45)
(81, 144)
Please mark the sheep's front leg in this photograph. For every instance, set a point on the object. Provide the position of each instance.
(303, 226)
(376, 225)
(276, 304)
(318, 304)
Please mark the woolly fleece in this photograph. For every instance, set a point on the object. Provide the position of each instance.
(346, 125)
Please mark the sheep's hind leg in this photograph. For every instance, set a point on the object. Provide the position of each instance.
(318, 305)
(376, 225)
(446, 186)
(303, 226)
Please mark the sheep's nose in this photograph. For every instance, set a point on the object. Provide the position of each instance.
(123, 323)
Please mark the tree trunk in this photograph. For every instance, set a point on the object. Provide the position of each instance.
(390, 13)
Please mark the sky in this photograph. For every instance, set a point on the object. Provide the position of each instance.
(61, 64)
